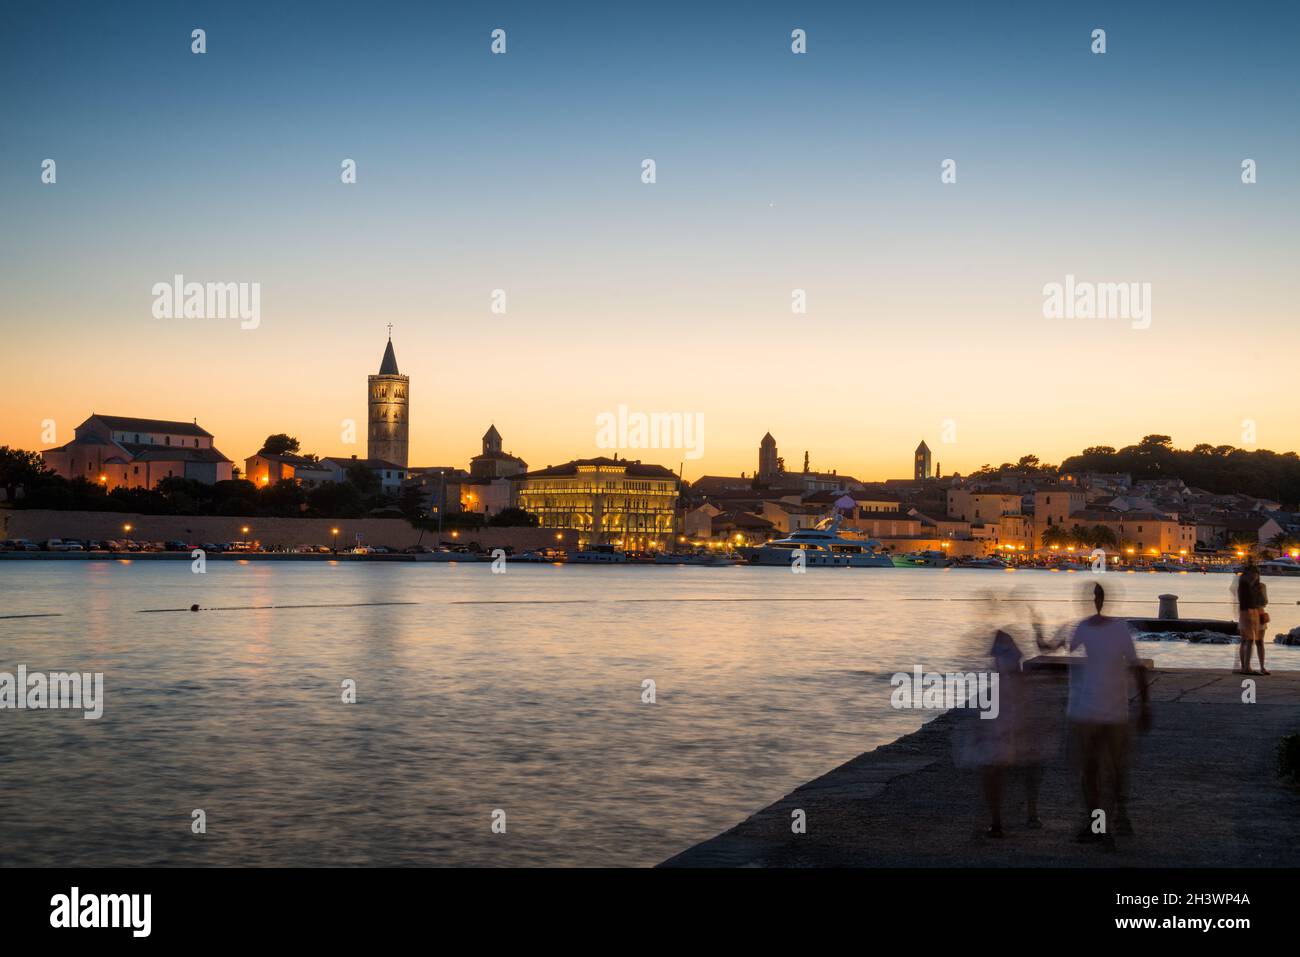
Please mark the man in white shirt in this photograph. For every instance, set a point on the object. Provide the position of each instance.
(1098, 711)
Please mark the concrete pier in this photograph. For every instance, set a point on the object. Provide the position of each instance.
(1204, 792)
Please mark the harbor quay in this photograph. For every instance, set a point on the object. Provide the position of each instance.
(1204, 792)
(41, 525)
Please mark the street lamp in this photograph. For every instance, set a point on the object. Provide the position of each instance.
(335, 533)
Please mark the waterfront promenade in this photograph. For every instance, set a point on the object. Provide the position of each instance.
(1204, 793)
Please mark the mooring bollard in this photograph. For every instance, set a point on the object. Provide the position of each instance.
(1168, 607)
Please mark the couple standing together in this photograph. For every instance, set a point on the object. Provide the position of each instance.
(1252, 599)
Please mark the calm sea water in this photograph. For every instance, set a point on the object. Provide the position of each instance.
(520, 692)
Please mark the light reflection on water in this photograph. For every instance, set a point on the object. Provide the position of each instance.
(519, 691)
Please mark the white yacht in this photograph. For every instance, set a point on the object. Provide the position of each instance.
(824, 546)
(598, 555)
(1280, 566)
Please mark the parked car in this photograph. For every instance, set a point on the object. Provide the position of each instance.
(175, 546)
(59, 545)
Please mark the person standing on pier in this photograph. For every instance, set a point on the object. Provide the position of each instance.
(1252, 599)
(1098, 713)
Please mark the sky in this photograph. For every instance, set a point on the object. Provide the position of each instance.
(774, 171)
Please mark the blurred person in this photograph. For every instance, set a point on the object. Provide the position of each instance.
(1012, 741)
(1252, 599)
(1098, 711)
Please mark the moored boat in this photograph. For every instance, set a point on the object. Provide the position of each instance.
(1280, 566)
(922, 559)
(711, 559)
(824, 546)
(598, 555)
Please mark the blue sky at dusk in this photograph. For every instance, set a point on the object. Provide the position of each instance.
(775, 171)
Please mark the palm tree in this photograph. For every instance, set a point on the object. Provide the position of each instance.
(1103, 537)
(1282, 542)
(1055, 535)
(1243, 542)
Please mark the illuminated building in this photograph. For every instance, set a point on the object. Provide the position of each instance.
(606, 501)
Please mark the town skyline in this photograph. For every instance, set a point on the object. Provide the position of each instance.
(900, 462)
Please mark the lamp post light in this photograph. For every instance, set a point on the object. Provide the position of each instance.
(335, 533)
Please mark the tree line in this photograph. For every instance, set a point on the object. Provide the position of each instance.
(1218, 469)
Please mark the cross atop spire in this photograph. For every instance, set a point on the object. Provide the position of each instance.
(388, 365)
(390, 331)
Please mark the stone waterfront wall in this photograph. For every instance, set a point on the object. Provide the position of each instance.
(38, 525)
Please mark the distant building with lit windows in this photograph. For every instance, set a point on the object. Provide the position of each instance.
(267, 468)
(605, 500)
(388, 397)
(921, 463)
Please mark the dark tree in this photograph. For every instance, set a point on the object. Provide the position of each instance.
(21, 469)
(280, 444)
(513, 518)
